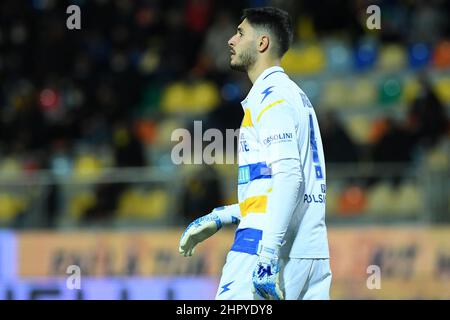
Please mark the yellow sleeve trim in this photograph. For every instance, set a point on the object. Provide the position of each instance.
(268, 107)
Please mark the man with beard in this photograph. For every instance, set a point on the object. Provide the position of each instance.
(280, 250)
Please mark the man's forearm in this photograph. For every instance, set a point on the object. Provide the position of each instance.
(229, 214)
(287, 185)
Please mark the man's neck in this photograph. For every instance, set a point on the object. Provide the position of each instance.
(259, 67)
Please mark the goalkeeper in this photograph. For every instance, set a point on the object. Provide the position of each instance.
(280, 250)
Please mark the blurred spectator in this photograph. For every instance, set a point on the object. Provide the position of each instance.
(215, 53)
(107, 196)
(330, 17)
(202, 193)
(395, 146)
(337, 144)
(427, 118)
(95, 131)
(197, 15)
(394, 20)
(427, 22)
(128, 149)
(177, 49)
(53, 206)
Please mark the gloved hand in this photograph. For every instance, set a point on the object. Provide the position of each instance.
(266, 276)
(198, 231)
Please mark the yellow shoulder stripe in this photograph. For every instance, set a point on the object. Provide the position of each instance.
(247, 121)
(268, 107)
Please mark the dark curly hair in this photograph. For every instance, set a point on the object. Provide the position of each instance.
(275, 21)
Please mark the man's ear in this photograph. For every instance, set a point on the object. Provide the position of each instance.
(263, 43)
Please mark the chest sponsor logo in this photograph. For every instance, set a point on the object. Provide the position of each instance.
(277, 138)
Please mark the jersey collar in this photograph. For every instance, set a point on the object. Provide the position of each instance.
(266, 73)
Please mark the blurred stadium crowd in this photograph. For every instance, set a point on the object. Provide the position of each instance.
(109, 95)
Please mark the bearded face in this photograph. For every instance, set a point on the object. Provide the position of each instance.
(243, 59)
(243, 48)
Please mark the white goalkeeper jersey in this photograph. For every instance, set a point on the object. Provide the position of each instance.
(280, 123)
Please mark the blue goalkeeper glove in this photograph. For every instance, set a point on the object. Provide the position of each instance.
(198, 231)
(266, 276)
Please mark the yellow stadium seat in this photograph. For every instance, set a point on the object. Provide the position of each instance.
(175, 98)
(334, 95)
(313, 59)
(442, 86)
(205, 96)
(392, 57)
(10, 206)
(87, 165)
(307, 60)
(438, 157)
(408, 199)
(364, 93)
(359, 128)
(128, 203)
(10, 167)
(381, 199)
(79, 203)
(289, 61)
(411, 90)
(140, 204)
(198, 97)
(156, 203)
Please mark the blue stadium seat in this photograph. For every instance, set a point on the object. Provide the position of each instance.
(419, 55)
(365, 55)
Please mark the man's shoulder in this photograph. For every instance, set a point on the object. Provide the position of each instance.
(271, 93)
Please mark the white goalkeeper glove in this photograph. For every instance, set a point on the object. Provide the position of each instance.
(198, 231)
(266, 275)
(204, 227)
